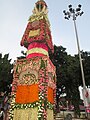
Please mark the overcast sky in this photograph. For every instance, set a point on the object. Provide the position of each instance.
(14, 16)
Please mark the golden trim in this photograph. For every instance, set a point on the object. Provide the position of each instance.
(37, 50)
(34, 32)
(26, 114)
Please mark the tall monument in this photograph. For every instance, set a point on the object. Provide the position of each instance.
(34, 79)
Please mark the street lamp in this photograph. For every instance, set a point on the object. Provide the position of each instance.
(74, 13)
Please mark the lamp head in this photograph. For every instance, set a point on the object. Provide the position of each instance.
(78, 9)
(64, 11)
(79, 6)
(70, 6)
(81, 13)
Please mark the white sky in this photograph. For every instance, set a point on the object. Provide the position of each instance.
(14, 16)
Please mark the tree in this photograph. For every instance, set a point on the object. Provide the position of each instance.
(73, 74)
(59, 59)
(67, 72)
(6, 74)
(23, 55)
(86, 66)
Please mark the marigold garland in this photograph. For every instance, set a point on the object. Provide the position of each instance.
(34, 79)
(43, 36)
(42, 97)
(27, 94)
(50, 95)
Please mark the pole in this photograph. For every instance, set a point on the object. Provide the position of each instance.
(81, 65)
(74, 13)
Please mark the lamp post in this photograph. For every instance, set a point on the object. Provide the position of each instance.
(74, 13)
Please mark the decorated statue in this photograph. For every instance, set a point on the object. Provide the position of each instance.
(34, 80)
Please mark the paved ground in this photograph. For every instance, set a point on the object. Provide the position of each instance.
(72, 119)
(63, 114)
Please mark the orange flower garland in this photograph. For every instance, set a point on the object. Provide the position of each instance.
(50, 95)
(27, 94)
(39, 93)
